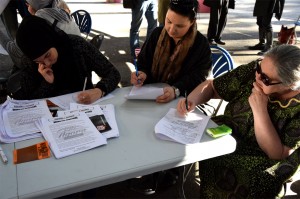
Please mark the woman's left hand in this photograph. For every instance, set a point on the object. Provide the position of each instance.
(258, 100)
(168, 95)
(89, 96)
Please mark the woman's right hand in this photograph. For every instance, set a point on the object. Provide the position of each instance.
(181, 106)
(138, 80)
(46, 72)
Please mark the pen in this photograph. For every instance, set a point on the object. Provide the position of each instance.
(136, 69)
(3, 156)
(186, 101)
(84, 85)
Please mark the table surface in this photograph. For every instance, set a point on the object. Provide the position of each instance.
(136, 152)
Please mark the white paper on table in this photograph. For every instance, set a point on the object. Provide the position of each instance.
(19, 117)
(92, 110)
(183, 129)
(146, 92)
(63, 101)
(71, 134)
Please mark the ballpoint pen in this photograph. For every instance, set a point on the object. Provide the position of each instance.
(84, 85)
(136, 69)
(3, 156)
(186, 101)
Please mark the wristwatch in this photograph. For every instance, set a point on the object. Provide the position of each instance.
(176, 91)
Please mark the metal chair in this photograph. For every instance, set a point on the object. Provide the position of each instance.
(222, 63)
(84, 21)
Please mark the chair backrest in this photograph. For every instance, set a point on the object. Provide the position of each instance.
(83, 20)
(222, 61)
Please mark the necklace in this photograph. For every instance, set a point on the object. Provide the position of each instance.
(284, 106)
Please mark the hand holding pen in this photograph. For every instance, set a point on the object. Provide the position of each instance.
(138, 80)
(186, 102)
(184, 105)
(136, 70)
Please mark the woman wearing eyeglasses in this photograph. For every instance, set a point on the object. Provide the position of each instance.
(263, 111)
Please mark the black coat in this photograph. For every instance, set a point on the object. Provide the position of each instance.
(266, 7)
(218, 3)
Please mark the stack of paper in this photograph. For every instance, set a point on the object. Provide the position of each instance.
(79, 129)
(18, 117)
(183, 129)
(70, 134)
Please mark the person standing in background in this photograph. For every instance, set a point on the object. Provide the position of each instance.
(9, 16)
(263, 10)
(141, 8)
(163, 6)
(217, 19)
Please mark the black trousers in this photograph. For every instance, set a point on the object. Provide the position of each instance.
(264, 22)
(217, 20)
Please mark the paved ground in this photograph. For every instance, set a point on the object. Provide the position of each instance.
(113, 21)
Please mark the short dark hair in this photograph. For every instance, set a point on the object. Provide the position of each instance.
(186, 8)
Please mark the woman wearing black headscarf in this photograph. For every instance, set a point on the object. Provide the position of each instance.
(63, 62)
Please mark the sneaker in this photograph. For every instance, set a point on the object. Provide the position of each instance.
(259, 46)
(219, 41)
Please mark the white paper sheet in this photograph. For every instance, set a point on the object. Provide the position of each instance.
(63, 101)
(183, 129)
(146, 92)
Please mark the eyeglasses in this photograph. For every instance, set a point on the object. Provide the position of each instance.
(263, 77)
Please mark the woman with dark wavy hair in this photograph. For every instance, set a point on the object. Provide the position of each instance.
(176, 54)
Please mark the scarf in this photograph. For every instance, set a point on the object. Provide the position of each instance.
(36, 36)
(166, 64)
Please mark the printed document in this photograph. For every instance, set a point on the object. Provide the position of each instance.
(183, 129)
(102, 116)
(70, 134)
(19, 116)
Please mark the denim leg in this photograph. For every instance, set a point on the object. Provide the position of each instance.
(136, 21)
(151, 16)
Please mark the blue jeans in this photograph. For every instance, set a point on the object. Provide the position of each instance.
(149, 9)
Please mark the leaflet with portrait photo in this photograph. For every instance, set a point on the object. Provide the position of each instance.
(71, 134)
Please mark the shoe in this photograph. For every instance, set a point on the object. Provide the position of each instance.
(263, 51)
(144, 185)
(259, 46)
(212, 42)
(219, 41)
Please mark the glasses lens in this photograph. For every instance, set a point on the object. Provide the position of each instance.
(263, 77)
